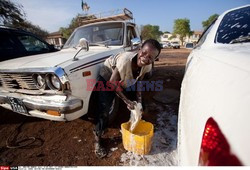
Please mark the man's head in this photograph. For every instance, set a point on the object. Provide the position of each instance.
(149, 51)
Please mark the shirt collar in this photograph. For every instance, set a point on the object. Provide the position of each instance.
(133, 55)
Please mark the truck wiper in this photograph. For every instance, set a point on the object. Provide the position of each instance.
(101, 43)
(241, 39)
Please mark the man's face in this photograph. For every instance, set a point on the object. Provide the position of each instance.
(146, 55)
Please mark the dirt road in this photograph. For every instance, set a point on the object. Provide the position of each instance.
(71, 143)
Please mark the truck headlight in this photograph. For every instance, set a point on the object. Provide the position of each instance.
(39, 81)
(56, 82)
(53, 82)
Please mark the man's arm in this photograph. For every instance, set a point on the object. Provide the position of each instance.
(115, 77)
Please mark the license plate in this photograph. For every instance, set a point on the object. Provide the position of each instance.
(17, 105)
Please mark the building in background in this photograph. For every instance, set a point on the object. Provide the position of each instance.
(168, 37)
(56, 38)
(194, 37)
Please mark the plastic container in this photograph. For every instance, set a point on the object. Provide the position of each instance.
(140, 140)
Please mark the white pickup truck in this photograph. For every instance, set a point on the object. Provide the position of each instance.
(54, 86)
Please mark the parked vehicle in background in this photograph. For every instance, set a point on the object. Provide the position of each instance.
(58, 86)
(175, 44)
(189, 45)
(214, 117)
(16, 43)
(165, 44)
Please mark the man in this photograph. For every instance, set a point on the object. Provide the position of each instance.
(123, 70)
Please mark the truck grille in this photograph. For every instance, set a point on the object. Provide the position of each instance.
(17, 81)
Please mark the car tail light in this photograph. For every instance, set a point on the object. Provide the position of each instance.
(215, 150)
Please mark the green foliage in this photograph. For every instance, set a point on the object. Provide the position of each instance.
(67, 31)
(206, 23)
(171, 37)
(10, 13)
(151, 31)
(35, 29)
(182, 28)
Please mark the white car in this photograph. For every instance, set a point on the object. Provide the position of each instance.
(165, 44)
(55, 86)
(175, 44)
(214, 111)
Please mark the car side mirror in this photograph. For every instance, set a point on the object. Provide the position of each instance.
(135, 42)
(83, 43)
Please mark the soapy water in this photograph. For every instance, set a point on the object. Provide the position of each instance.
(135, 116)
(164, 143)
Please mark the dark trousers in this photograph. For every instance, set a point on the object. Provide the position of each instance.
(104, 103)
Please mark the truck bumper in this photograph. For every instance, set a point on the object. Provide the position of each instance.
(38, 106)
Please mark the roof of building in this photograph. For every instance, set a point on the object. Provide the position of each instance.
(56, 34)
(198, 32)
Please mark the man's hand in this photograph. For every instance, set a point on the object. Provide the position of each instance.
(130, 104)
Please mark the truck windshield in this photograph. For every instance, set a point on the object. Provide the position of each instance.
(109, 34)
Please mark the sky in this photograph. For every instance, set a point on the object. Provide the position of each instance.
(53, 14)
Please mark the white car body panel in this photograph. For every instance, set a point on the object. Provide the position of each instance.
(70, 70)
(216, 84)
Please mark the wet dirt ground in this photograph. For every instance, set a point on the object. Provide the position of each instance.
(71, 143)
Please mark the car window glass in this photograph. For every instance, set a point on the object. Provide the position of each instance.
(130, 34)
(32, 44)
(189, 45)
(111, 33)
(234, 24)
(6, 43)
(8, 47)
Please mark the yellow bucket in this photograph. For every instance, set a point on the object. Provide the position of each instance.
(140, 140)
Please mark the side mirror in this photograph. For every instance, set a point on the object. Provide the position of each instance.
(83, 43)
(135, 41)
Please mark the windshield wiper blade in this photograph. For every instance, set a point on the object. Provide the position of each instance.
(240, 40)
(96, 44)
(101, 43)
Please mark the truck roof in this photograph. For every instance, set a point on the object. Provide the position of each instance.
(115, 15)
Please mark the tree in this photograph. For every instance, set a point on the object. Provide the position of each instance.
(172, 36)
(67, 31)
(10, 13)
(206, 23)
(35, 29)
(150, 31)
(182, 28)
